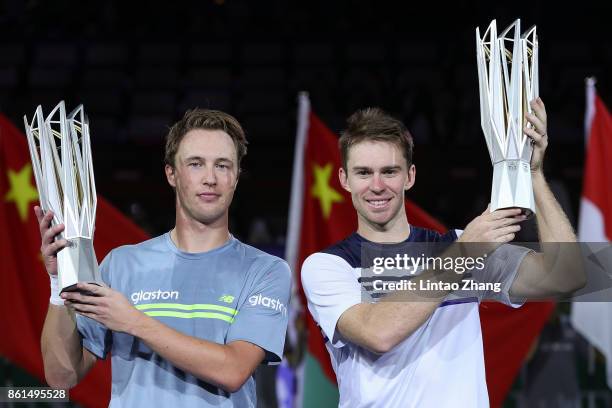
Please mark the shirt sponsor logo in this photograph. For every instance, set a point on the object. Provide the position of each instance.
(154, 295)
(265, 301)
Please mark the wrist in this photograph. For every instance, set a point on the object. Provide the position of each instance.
(55, 298)
(537, 181)
(139, 324)
(537, 174)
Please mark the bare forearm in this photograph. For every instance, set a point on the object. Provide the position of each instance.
(381, 326)
(211, 362)
(61, 348)
(553, 225)
(558, 268)
(391, 322)
(225, 365)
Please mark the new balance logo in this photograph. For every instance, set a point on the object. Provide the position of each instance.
(226, 298)
(154, 295)
(274, 304)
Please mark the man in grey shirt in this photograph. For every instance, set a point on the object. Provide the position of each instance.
(187, 316)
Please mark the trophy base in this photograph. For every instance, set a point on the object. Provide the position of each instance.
(524, 211)
(73, 288)
(512, 186)
(77, 263)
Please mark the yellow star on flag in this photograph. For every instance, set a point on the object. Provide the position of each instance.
(22, 192)
(322, 190)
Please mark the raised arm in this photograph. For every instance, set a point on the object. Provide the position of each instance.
(65, 360)
(557, 269)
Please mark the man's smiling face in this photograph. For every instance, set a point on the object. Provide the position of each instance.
(377, 175)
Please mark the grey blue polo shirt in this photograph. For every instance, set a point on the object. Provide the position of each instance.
(234, 292)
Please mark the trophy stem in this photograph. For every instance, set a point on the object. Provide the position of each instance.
(77, 263)
(512, 186)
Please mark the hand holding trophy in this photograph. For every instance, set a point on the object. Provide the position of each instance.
(65, 183)
(508, 81)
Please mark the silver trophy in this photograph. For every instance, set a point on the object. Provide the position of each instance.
(60, 150)
(508, 81)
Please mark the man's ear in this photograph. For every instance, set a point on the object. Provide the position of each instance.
(411, 177)
(169, 170)
(342, 176)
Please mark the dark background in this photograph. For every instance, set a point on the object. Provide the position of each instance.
(137, 66)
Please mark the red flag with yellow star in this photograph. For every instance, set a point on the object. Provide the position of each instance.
(25, 283)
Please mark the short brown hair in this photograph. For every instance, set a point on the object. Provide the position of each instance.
(209, 120)
(374, 124)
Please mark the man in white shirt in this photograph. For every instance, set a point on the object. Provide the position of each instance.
(407, 351)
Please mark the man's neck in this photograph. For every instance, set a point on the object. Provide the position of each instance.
(394, 231)
(193, 236)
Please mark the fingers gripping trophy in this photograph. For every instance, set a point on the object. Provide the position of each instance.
(60, 150)
(508, 81)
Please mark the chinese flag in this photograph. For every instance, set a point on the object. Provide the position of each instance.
(321, 213)
(25, 283)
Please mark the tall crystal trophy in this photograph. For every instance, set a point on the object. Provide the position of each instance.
(508, 81)
(60, 150)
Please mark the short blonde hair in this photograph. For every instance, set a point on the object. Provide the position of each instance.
(206, 119)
